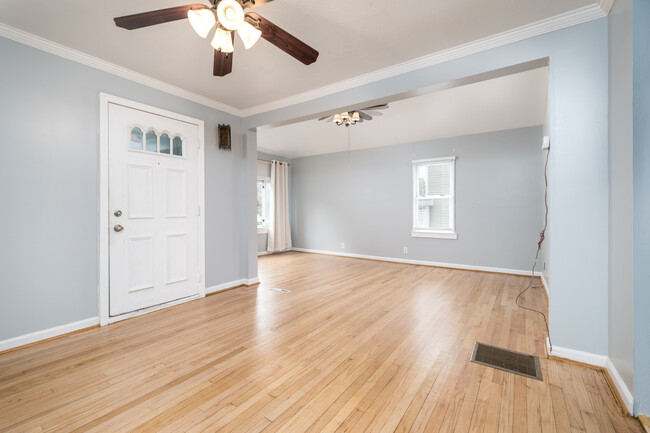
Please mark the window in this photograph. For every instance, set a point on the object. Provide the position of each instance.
(434, 198)
(263, 198)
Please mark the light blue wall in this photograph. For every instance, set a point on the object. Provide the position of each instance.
(578, 97)
(641, 206)
(49, 177)
(621, 240)
(365, 200)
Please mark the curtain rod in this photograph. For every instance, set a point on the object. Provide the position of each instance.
(266, 160)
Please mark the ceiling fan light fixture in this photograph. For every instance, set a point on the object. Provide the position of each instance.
(230, 14)
(222, 41)
(355, 117)
(337, 119)
(248, 34)
(202, 21)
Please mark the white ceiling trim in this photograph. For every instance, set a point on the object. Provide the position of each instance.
(578, 16)
(111, 68)
(606, 5)
(568, 19)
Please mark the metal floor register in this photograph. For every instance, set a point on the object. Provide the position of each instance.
(507, 360)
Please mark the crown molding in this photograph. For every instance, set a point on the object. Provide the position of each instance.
(568, 19)
(111, 68)
(557, 22)
(606, 5)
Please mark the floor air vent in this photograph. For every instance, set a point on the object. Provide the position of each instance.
(275, 289)
(507, 360)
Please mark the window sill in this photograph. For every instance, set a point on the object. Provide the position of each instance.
(262, 230)
(439, 235)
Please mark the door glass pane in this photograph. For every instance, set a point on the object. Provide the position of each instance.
(164, 144)
(178, 146)
(136, 139)
(152, 142)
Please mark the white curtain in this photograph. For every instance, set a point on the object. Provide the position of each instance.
(279, 229)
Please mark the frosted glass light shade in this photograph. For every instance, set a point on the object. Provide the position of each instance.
(337, 119)
(230, 14)
(355, 116)
(248, 34)
(202, 21)
(222, 41)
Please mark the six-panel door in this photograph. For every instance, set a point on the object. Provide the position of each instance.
(153, 205)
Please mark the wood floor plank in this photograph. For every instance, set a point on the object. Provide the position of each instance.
(358, 345)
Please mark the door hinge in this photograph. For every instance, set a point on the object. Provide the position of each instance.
(199, 210)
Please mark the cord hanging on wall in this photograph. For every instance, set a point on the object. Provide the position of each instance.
(539, 247)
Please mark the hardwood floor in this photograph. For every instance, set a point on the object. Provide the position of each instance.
(357, 346)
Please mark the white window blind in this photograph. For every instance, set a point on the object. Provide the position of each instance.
(433, 206)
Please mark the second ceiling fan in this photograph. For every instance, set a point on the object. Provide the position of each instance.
(228, 17)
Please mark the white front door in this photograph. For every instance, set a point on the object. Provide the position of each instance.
(153, 209)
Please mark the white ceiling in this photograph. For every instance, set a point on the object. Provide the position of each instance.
(513, 101)
(353, 37)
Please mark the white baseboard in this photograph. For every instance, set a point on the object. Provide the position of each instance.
(579, 356)
(23, 340)
(231, 284)
(623, 391)
(597, 361)
(421, 262)
(262, 253)
(545, 284)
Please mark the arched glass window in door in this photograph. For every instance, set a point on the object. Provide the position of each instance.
(178, 146)
(151, 142)
(165, 144)
(136, 139)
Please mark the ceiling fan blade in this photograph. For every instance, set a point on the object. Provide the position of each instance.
(364, 116)
(250, 4)
(326, 118)
(223, 61)
(283, 40)
(146, 19)
(222, 64)
(377, 107)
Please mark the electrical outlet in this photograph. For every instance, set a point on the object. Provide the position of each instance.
(342, 245)
(546, 142)
(544, 265)
(406, 250)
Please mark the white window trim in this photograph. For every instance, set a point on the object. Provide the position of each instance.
(263, 230)
(439, 234)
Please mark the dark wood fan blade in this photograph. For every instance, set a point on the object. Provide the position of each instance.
(364, 116)
(283, 40)
(250, 4)
(377, 107)
(223, 61)
(146, 19)
(326, 118)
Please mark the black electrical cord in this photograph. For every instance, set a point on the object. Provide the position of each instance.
(539, 247)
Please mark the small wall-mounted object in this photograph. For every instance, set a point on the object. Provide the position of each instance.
(546, 142)
(224, 137)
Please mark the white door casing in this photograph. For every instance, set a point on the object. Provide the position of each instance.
(157, 259)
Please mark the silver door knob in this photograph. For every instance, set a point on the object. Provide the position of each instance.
(117, 213)
(118, 228)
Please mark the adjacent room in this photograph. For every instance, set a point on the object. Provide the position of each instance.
(290, 216)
